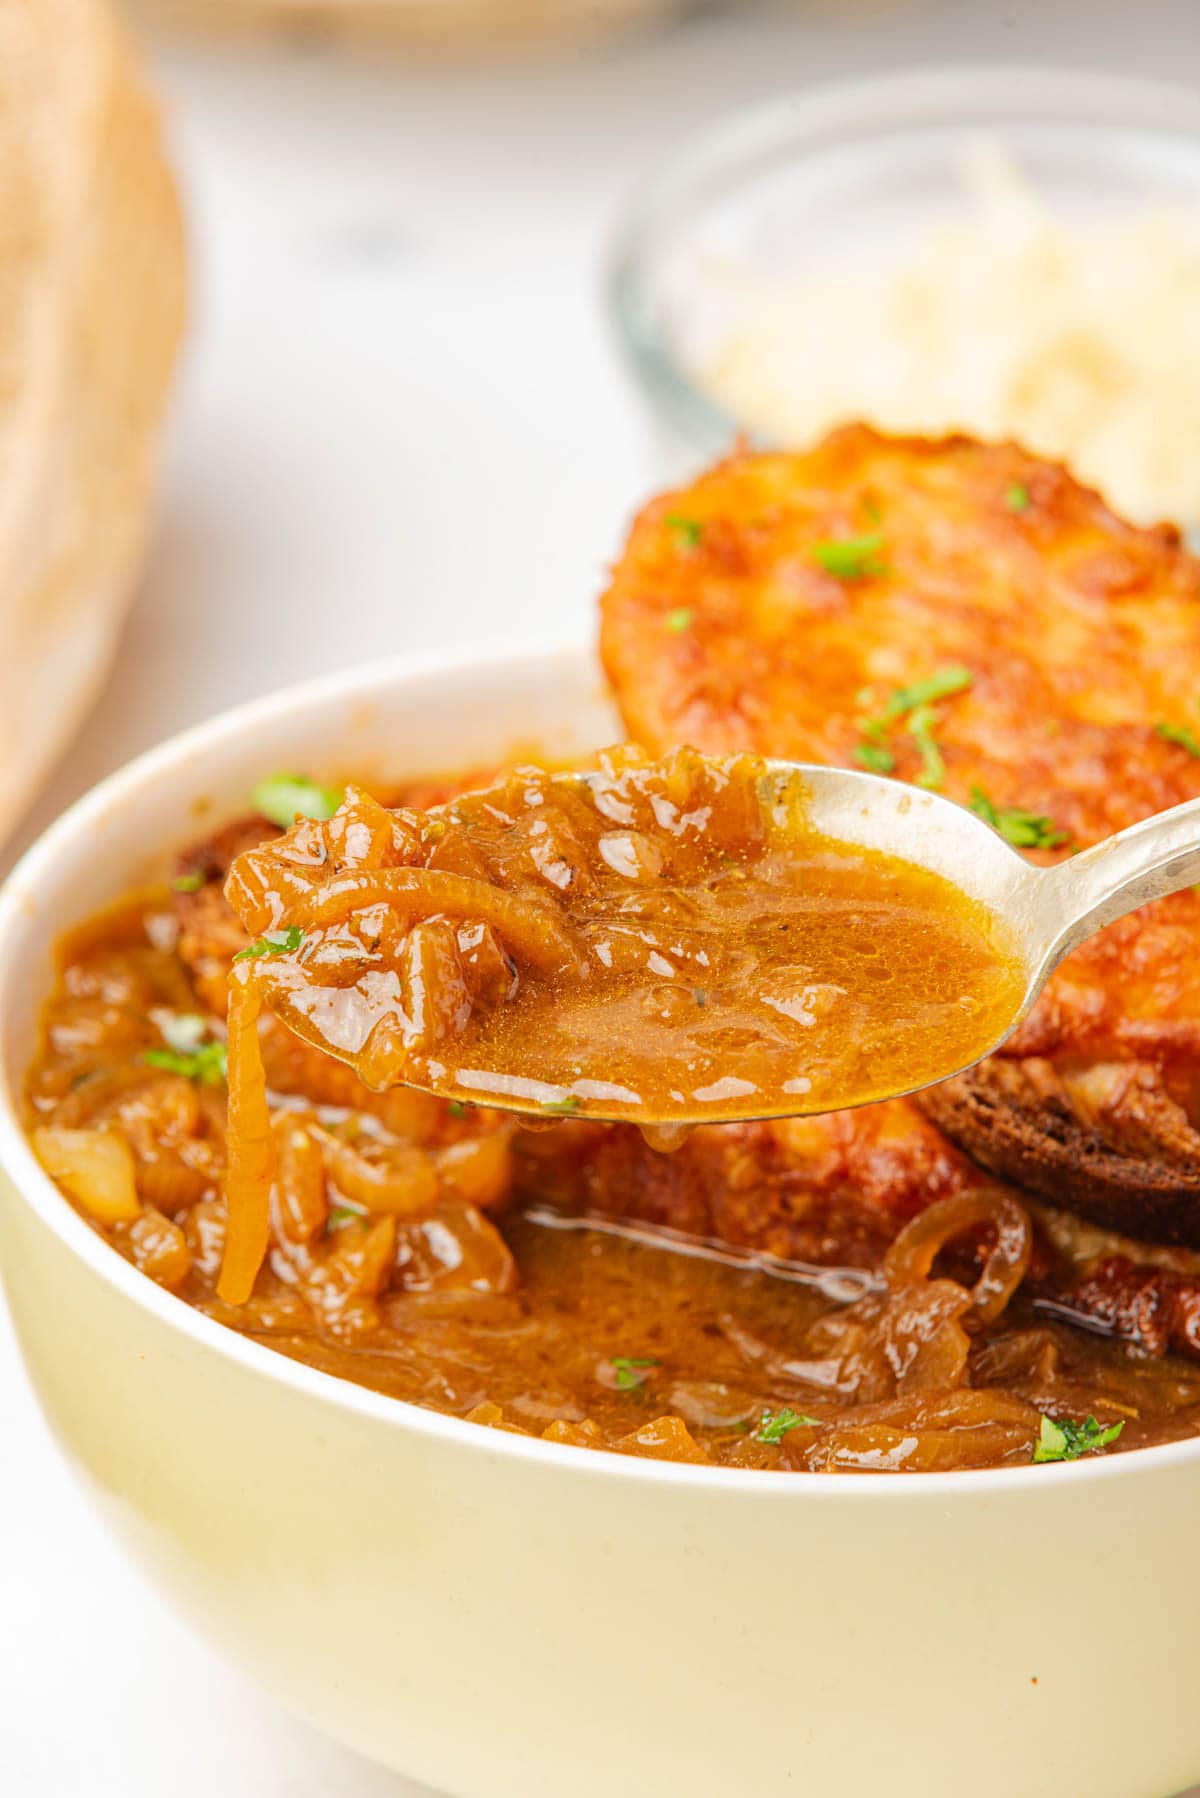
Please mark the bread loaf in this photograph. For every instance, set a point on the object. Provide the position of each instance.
(91, 306)
(433, 26)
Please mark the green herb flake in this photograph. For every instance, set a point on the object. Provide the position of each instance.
(628, 1370)
(933, 768)
(340, 1216)
(915, 703)
(561, 1107)
(774, 1429)
(1016, 497)
(1062, 1440)
(1181, 735)
(457, 1109)
(187, 883)
(852, 558)
(275, 942)
(1024, 830)
(206, 1065)
(700, 995)
(688, 532)
(679, 620)
(875, 757)
(941, 684)
(284, 797)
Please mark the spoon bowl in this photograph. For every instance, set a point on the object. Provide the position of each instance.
(1041, 914)
(1048, 911)
(697, 940)
(692, 940)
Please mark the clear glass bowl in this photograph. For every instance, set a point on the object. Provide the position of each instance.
(803, 181)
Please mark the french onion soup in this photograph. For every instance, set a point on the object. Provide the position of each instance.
(1005, 1272)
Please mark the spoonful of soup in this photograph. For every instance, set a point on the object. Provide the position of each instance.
(668, 943)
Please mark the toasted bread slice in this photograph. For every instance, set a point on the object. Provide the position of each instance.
(1106, 1139)
(799, 605)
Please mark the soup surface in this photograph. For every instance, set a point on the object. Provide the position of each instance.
(440, 1253)
(665, 941)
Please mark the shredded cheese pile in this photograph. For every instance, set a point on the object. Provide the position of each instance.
(1082, 340)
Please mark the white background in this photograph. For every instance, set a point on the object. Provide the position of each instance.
(401, 423)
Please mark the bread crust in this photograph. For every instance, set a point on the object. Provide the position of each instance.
(1137, 1173)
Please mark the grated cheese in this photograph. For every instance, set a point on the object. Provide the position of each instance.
(1082, 340)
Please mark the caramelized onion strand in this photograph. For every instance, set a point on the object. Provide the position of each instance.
(250, 1167)
(910, 1258)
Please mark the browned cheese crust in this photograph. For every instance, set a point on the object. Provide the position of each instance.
(725, 627)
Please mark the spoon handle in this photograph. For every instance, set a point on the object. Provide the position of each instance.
(1080, 896)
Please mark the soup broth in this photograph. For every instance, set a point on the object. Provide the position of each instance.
(435, 1252)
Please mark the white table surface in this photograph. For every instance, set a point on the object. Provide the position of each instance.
(401, 424)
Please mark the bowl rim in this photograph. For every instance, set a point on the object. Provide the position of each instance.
(32, 1187)
(797, 120)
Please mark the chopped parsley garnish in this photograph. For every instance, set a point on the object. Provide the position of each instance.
(1061, 1440)
(688, 531)
(875, 757)
(284, 797)
(186, 1052)
(852, 558)
(629, 1370)
(275, 942)
(206, 1064)
(774, 1429)
(933, 768)
(1180, 734)
(679, 620)
(1016, 497)
(341, 1215)
(915, 703)
(187, 883)
(561, 1107)
(1024, 830)
(939, 685)
(457, 1109)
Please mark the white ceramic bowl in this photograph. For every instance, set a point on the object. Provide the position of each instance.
(507, 1619)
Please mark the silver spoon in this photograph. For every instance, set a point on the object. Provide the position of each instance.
(1046, 912)
(1049, 911)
